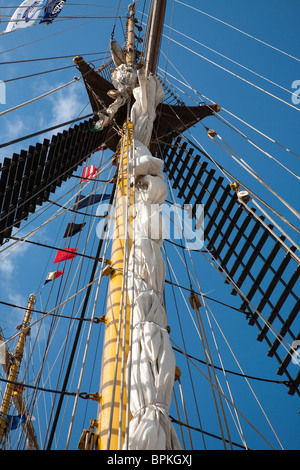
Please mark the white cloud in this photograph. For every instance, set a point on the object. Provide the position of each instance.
(61, 106)
(14, 128)
(9, 260)
(10, 130)
(8, 273)
(15, 298)
(7, 267)
(66, 105)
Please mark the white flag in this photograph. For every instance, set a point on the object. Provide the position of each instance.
(26, 14)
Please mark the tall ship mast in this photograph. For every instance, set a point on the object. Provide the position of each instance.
(135, 226)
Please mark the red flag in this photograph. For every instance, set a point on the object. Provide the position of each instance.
(88, 173)
(66, 254)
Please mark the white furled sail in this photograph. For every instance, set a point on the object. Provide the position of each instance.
(123, 80)
(151, 362)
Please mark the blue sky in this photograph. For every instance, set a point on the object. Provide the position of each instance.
(276, 117)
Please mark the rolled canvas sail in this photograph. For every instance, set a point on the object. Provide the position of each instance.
(151, 364)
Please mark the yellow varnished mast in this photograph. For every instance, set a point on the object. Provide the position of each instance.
(12, 375)
(112, 398)
(109, 408)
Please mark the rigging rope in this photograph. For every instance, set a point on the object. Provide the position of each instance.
(219, 391)
(257, 146)
(76, 79)
(43, 312)
(230, 72)
(226, 110)
(77, 335)
(239, 374)
(39, 73)
(10, 62)
(269, 326)
(240, 31)
(245, 137)
(255, 396)
(29, 136)
(86, 348)
(24, 239)
(89, 231)
(68, 5)
(58, 213)
(98, 278)
(231, 60)
(231, 398)
(288, 347)
(66, 209)
(282, 339)
(236, 421)
(61, 18)
(226, 173)
(206, 348)
(77, 289)
(184, 343)
(204, 432)
(235, 75)
(41, 39)
(179, 420)
(184, 410)
(253, 173)
(234, 128)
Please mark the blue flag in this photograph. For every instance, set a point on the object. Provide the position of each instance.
(84, 201)
(52, 10)
(16, 421)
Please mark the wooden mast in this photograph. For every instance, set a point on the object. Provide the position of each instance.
(111, 396)
(110, 387)
(14, 370)
(19, 405)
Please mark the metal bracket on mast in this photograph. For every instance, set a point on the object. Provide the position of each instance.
(108, 271)
(91, 396)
